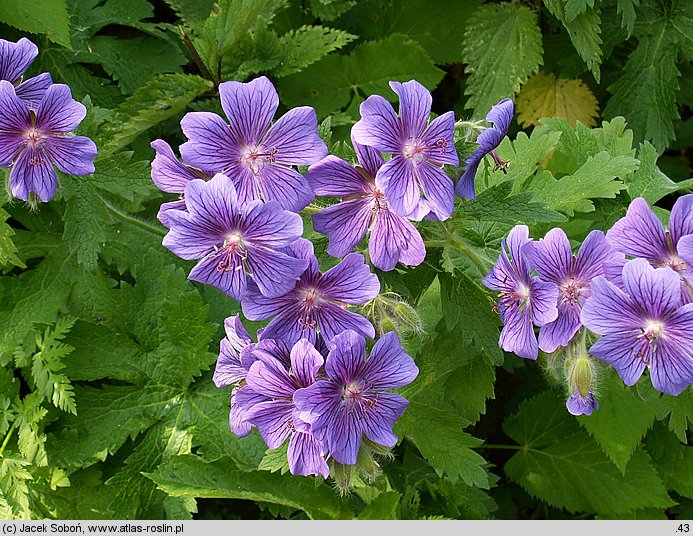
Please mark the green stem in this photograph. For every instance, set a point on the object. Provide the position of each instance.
(436, 243)
(134, 221)
(7, 437)
(478, 262)
(500, 447)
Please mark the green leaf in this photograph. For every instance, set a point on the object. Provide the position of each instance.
(85, 217)
(37, 295)
(163, 96)
(154, 56)
(306, 45)
(564, 466)
(627, 10)
(118, 174)
(596, 178)
(384, 506)
(439, 437)
(191, 10)
(573, 8)
(646, 93)
(8, 251)
(427, 23)
(584, 30)
(276, 460)
(48, 362)
(622, 420)
(39, 17)
(338, 83)
(496, 204)
(502, 49)
(648, 181)
(190, 476)
(465, 303)
(679, 409)
(470, 386)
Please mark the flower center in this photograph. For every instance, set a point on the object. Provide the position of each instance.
(570, 291)
(413, 149)
(34, 137)
(258, 157)
(379, 201)
(519, 294)
(651, 331)
(232, 254)
(676, 263)
(307, 316)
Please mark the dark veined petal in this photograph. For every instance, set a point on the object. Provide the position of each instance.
(342, 432)
(594, 253)
(398, 180)
(608, 309)
(639, 233)
(233, 280)
(543, 297)
(295, 137)
(394, 239)
(162, 215)
(34, 89)
(305, 456)
(414, 107)
(249, 108)
(551, 256)
(255, 306)
(389, 366)
(213, 204)
(58, 111)
(685, 249)
(621, 350)
(274, 272)
(11, 145)
(653, 291)
(333, 176)
(561, 331)
(15, 117)
(228, 369)
(33, 172)
(242, 400)
(186, 238)
(576, 405)
(350, 281)
(369, 158)
(379, 126)
(437, 188)
(681, 218)
(168, 173)
(345, 224)
(269, 225)
(380, 415)
(465, 186)
(501, 115)
(319, 398)
(671, 367)
(268, 377)
(15, 58)
(73, 155)
(334, 320)
(210, 144)
(347, 358)
(517, 334)
(272, 419)
(246, 183)
(286, 186)
(286, 326)
(517, 238)
(305, 362)
(439, 140)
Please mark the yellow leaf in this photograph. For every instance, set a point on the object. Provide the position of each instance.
(545, 96)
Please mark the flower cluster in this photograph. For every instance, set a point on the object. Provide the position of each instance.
(308, 379)
(37, 118)
(632, 287)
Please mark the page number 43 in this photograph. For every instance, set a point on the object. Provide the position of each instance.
(683, 527)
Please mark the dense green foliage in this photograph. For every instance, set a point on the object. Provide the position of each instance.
(107, 408)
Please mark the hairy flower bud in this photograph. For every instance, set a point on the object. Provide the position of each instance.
(390, 313)
(581, 382)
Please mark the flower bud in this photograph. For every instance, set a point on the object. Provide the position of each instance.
(580, 377)
(581, 382)
(390, 313)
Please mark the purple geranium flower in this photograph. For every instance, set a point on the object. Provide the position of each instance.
(255, 153)
(500, 115)
(553, 259)
(15, 59)
(685, 249)
(419, 149)
(229, 368)
(353, 400)
(231, 239)
(171, 176)
(641, 234)
(33, 141)
(581, 405)
(643, 325)
(524, 299)
(318, 301)
(277, 417)
(364, 206)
